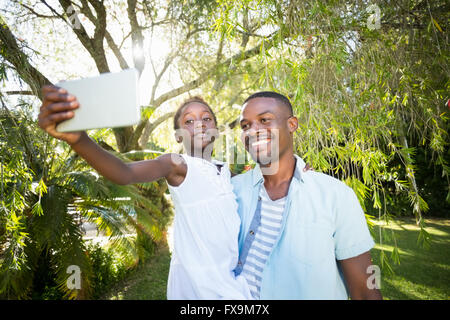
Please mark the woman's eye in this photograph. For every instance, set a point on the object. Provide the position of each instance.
(189, 121)
(265, 120)
(244, 126)
(206, 119)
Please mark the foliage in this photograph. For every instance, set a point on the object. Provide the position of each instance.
(146, 282)
(46, 191)
(108, 266)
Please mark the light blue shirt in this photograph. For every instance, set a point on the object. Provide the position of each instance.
(322, 222)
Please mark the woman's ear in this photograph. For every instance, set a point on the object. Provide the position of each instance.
(178, 136)
(212, 134)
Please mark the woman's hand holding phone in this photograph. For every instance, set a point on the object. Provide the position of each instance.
(57, 106)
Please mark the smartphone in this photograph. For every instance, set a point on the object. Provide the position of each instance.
(109, 100)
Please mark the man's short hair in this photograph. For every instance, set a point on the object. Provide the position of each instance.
(271, 94)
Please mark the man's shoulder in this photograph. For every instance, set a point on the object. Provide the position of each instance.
(311, 177)
(335, 196)
(324, 180)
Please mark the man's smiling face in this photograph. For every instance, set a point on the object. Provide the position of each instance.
(267, 126)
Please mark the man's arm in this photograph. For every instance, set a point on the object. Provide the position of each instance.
(356, 276)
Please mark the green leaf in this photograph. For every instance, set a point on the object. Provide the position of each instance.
(437, 25)
(41, 188)
(37, 209)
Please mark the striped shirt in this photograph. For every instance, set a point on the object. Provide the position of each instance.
(265, 237)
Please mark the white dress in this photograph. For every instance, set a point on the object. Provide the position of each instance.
(205, 236)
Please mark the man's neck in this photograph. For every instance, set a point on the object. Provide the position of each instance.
(279, 172)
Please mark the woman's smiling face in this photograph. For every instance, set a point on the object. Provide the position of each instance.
(197, 126)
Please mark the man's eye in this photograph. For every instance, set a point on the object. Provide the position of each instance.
(206, 119)
(189, 121)
(264, 120)
(244, 126)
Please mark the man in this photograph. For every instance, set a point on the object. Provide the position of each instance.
(303, 234)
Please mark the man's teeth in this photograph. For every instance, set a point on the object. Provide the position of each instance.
(257, 143)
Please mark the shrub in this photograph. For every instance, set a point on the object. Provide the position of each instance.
(108, 267)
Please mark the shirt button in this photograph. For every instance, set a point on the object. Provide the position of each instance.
(252, 232)
(239, 263)
(259, 198)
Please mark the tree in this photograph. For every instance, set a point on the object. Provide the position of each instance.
(186, 23)
(368, 80)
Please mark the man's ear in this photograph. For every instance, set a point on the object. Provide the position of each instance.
(293, 124)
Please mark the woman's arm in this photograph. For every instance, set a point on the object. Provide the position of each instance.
(57, 106)
(166, 166)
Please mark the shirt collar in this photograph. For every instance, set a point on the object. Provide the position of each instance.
(214, 161)
(299, 165)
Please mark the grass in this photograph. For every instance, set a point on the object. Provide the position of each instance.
(147, 282)
(422, 273)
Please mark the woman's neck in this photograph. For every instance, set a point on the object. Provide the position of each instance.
(200, 154)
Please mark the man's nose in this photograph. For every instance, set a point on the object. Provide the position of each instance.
(255, 130)
(252, 134)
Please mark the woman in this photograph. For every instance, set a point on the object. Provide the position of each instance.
(206, 225)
